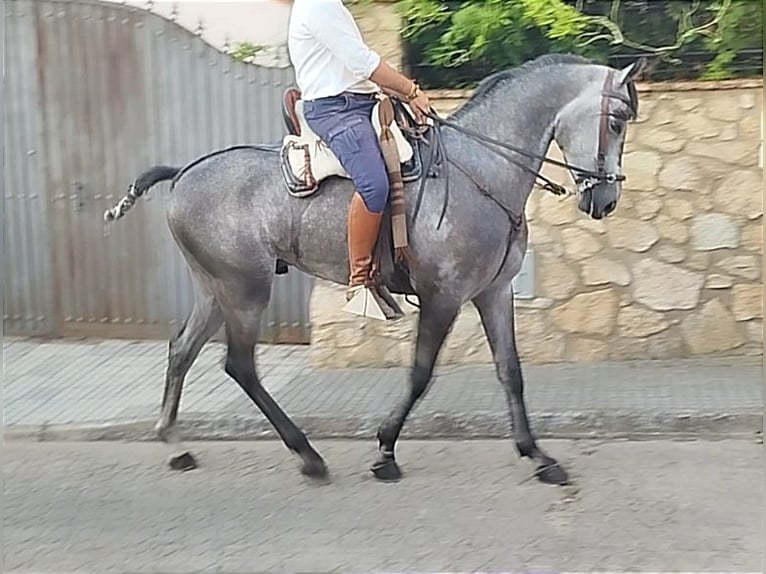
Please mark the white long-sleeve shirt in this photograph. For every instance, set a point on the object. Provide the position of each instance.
(327, 50)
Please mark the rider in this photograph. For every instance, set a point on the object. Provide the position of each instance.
(339, 76)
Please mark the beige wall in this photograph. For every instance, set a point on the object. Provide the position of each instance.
(675, 272)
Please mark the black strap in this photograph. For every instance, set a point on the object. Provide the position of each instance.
(488, 140)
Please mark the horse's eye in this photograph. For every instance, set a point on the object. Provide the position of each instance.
(616, 127)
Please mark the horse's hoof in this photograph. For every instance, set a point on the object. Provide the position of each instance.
(316, 469)
(552, 474)
(387, 470)
(183, 461)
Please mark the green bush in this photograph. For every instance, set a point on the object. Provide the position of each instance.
(245, 51)
(456, 43)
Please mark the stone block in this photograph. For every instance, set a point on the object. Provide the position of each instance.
(754, 330)
(678, 208)
(642, 167)
(741, 193)
(747, 302)
(752, 236)
(466, 343)
(622, 349)
(671, 229)
(647, 206)
(682, 174)
(714, 231)
(671, 254)
(632, 234)
(588, 313)
(601, 270)
(583, 350)
(662, 287)
(744, 266)
(697, 126)
(712, 329)
(637, 322)
(664, 139)
(579, 244)
(592, 225)
(556, 279)
(557, 211)
(665, 345)
(739, 152)
(536, 341)
(718, 281)
(723, 106)
(698, 261)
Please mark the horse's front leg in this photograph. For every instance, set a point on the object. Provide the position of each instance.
(496, 309)
(436, 318)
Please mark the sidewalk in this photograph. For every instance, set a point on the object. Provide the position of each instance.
(101, 390)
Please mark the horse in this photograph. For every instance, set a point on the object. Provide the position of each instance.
(232, 219)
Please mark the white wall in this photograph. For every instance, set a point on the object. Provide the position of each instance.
(262, 22)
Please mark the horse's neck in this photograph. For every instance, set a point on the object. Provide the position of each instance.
(523, 117)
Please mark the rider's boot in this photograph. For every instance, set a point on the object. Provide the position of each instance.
(362, 295)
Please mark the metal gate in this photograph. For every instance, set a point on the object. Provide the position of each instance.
(96, 93)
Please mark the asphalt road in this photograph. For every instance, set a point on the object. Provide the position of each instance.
(638, 506)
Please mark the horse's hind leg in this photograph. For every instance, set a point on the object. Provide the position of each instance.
(436, 319)
(184, 347)
(496, 310)
(242, 327)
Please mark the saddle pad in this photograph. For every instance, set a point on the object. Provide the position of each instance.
(306, 160)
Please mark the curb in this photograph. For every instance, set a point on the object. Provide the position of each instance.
(421, 426)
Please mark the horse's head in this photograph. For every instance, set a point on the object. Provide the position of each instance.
(591, 130)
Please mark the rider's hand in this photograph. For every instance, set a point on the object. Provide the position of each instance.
(421, 106)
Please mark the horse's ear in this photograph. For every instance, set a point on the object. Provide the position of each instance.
(630, 72)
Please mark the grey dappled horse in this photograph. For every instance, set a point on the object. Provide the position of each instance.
(232, 218)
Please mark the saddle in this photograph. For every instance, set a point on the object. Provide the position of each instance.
(306, 160)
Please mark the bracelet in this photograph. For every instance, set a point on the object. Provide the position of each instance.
(414, 92)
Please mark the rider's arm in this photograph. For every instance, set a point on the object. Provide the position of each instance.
(332, 26)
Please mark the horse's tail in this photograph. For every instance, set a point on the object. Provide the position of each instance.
(141, 185)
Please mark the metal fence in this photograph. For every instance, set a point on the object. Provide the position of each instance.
(97, 92)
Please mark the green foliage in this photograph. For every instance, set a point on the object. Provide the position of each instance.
(455, 43)
(245, 51)
(740, 29)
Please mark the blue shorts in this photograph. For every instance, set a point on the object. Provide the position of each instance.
(344, 124)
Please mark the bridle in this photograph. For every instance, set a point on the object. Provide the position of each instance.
(584, 178)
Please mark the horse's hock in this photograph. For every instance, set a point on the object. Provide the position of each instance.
(675, 272)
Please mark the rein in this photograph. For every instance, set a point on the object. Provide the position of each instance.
(581, 175)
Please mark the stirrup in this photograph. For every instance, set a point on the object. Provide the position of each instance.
(372, 302)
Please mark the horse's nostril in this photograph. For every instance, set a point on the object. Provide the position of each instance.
(610, 207)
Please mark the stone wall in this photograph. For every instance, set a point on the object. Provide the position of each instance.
(675, 272)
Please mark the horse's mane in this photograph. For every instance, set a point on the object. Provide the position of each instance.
(491, 83)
